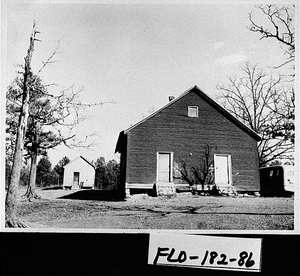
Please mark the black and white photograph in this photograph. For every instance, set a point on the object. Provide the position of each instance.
(150, 116)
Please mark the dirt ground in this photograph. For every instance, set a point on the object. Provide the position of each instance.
(184, 211)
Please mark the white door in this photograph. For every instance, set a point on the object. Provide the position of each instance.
(222, 170)
(164, 167)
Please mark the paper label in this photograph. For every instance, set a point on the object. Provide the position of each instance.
(209, 252)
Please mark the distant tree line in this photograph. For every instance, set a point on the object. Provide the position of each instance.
(107, 176)
(46, 176)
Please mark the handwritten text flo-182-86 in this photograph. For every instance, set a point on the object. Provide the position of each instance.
(210, 258)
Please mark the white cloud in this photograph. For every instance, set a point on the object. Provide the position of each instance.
(218, 45)
(233, 58)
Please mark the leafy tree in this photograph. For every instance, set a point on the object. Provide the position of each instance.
(45, 176)
(48, 114)
(113, 174)
(107, 174)
(7, 173)
(11, 131)
(25, 174)
(262, 103)
(44, 168)
(52, 179)
(100, 173)
(35, 117)
(35, 87)
(59, 169)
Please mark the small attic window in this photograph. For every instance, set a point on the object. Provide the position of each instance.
(193, 111)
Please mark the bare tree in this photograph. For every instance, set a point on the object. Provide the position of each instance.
(11, 196)
(262, 103)
(280, 26)
(50, 115)
(46, 120)
(200, 172)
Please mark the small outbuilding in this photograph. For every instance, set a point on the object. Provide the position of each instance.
(192, 131)
(277, 180)
(79, 174)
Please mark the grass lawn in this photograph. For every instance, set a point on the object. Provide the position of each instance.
(63, 209)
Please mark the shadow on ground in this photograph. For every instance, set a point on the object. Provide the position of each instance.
(53, 188)
(95, 195)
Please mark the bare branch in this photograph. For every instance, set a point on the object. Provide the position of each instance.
(281, 19)
(49, 60)
(262, 102)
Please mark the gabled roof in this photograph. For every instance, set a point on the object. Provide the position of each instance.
(159, 110)
(209, 101)
(82, 159)
(87, 161)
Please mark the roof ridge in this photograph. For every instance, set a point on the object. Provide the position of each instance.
(210, 101)
(160, 109)
(80, 156)
(87, 161)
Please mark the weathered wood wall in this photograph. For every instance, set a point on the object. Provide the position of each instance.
(172, 130)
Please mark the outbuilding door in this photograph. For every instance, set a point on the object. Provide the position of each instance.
(222, 169)
(76, 180)
(164, 167)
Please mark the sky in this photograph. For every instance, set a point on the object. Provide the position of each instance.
(136, 55)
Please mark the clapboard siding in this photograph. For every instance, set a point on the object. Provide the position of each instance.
(172, 130)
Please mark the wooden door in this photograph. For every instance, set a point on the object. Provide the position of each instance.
(164, 167)
(222, 169)
(76, 180)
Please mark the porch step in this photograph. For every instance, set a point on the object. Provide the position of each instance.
(165, 189)
(227, 190)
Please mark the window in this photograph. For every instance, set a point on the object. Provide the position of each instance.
(193, 111)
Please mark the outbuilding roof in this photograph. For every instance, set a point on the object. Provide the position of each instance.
(82, 159)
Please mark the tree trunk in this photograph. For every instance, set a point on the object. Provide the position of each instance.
(30, 193)
(12, 192)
